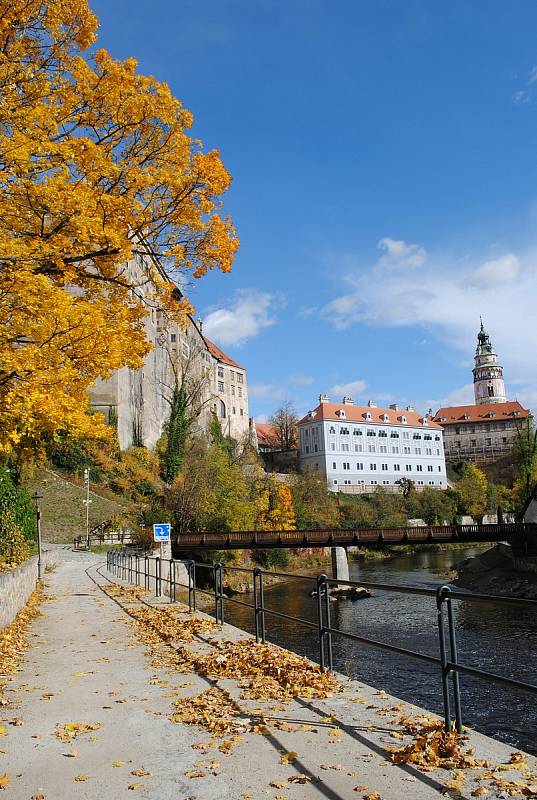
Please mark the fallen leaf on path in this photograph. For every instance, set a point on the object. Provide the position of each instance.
(140, 773)
(80, 778)
(480, 792)
(4, 780)
(73, 752)
(38, 797)
(299, 779)
(288, 758)
(373, 796)
(337, 767)
(278, 784)
(118, 763)
(3, 731)
(360, 788)
(195, 773)
(134, 786)
(16, 721)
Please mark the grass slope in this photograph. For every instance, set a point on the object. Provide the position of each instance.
(63, 514)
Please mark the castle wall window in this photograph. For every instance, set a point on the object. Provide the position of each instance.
(239, 377)
(222, 409)
(220, 372)
(220, 386)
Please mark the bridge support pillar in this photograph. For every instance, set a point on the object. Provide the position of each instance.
(340, 564)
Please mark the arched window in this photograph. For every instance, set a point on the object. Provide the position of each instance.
(222, 409)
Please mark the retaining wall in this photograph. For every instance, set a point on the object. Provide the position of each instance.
(17, 586)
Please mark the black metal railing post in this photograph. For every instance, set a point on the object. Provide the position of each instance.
(146, 572)
(444, 667)
(137, 569)
(171, 580)
(255, 577)
(320, 579)
(158, 587)
(191, 569)
(262, 607)
(327, 633)
(454, 660)
(221, 590)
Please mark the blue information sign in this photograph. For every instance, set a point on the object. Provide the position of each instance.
(162, 532)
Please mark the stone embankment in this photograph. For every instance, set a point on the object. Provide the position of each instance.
(499, 571)
(17, 585)
(126, 695)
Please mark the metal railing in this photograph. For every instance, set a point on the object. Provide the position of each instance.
(127, 567)
(103, 538)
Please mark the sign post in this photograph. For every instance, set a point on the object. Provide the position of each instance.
(162, 535)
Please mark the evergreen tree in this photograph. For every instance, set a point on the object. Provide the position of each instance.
(177, 433)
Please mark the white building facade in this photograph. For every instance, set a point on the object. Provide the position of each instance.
(358, 448)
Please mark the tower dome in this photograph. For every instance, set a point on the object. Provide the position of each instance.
(489, 386)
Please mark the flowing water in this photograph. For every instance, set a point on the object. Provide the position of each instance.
(496, 638)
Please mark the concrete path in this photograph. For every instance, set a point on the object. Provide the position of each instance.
(85, 667)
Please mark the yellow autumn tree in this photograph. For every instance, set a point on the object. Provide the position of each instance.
(275, 507)
(97, 171)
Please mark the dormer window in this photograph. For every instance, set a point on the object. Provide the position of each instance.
(385, 418)
(402, 419)
(442, 419)
(367, 415)
(341, 413)
(466, 416)
(492, 413)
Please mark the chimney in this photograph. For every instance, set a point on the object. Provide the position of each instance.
(323, 398)
(348, 401)
(372, 403)
(410, 408)
(394, 406)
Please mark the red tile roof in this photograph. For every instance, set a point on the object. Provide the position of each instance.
(219, 354)
(326, 411)
(266, 434)
(481, 413)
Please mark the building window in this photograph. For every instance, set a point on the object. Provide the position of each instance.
(357, 432)
(394, 435)
(428, 451)
(347, 483)
(333, 464)
(346, 465)
(307, 448)
(383, 433)
(239, 377)
(242, 415)
(233, 391)
(386, 483)
(407, 450)
(220, 386)
(417, 450)
(332, 429)
(373, 483)
(234, 410)
(185, 349)
(345, 448)
(222, 409)
(383, 448)
(409, 468)
(332, 446)
(359, 466)
(384, 467)
(417, 436)
(395, 449)
(335, 482)
(173, 337)
(232, 374)
(372, 448)
(220, 372)
(437, 438)
(406, 435)
(396, 467)
(429, 468)
(420, 483)
(240, 392)
(358, 448)
(439, 469)
(419, 468)
(372, 467)
(344, 431)
(371, 432)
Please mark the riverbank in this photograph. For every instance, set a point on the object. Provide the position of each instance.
(388, 552)
(493, 572)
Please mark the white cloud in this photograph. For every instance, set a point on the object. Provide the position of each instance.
(265, 390)
(500, 270)
(525, 95)
(248, 314)
(397, 254)
(301, 379)
(446, 296)
(352, 389)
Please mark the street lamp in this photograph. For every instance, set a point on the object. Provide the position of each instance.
(87, 502)
(36, 498)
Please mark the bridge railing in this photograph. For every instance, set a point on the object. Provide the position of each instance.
(136, 568)
(352, 537)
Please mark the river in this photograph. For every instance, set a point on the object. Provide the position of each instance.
(500, 639)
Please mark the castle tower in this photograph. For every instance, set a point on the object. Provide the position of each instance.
(489, 386)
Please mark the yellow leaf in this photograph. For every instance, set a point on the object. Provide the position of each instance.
(140, 773)
(133, 787)
(80, 778)
(118, 763)
(4, 781)
(288, 758)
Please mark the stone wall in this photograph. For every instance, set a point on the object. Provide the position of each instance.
(17, 586)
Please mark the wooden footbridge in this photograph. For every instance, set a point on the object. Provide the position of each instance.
(520, 534)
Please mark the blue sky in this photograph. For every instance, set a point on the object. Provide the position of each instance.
(384, 156)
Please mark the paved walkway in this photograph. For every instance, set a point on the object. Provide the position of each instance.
(85, 668)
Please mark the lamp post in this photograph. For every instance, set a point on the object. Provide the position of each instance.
(36, 498)
(87, 502)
